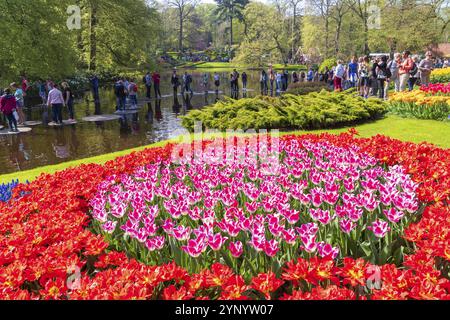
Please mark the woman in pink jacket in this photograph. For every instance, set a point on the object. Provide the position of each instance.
(7, 105)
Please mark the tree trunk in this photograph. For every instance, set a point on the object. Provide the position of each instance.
(231, 30)
(337, 37)
(180, 36)
(294, 34)
(93, 37)
(327, 29)
(366, 37)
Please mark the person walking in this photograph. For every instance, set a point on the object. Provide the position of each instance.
(8, 105)
(405, 67)
(338, 76)
(148, 85)
(156, 84)
(18, 94)
(68, 99)
(56, 101)
(244, 80)
(425, 68)
(175, 81)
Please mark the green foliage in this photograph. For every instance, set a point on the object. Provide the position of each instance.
(328, 63)
(37, 42)
(301, 88)
(313, 111)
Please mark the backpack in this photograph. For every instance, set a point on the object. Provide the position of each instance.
(413, 70)
(144, 80)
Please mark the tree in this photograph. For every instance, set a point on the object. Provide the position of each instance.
(339, 11)
(228, 10)
(184, 8)
(261, 44)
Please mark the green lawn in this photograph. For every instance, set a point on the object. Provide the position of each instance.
(412, 130)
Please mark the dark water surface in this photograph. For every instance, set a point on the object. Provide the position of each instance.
(155, 121)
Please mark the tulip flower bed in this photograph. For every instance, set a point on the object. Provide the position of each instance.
(337, 217)
(440, 75)
(427, 103)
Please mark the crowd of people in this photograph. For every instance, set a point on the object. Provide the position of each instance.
(374, 75)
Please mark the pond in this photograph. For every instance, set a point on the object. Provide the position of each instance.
(155, 121)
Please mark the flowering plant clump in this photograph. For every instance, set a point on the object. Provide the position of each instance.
(440, 75)
(314, 199)
(425, 103)
(49, 248)
(6, 190)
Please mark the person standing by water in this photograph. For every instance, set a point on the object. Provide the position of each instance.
(425, 68)
(7, 106)
(310, 75)
(236, 80)
(56, 101)
(132, 93)
(175, 81)
(40, 84)
(205, 81)
(18, 94)
(217, 82)
(279, 80)
(271, 79)
(263, 82)
(294, 77)
(338, 76)
(68, 99)
(121, 94)
(156, 82)
(187, 80)
(244, 81)
(148, 84)
(95, 87)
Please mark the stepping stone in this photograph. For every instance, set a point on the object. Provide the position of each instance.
(6, 132)
(54, 124)
(103, 117)
(70, 121)
(126, 111)
(32, 123)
